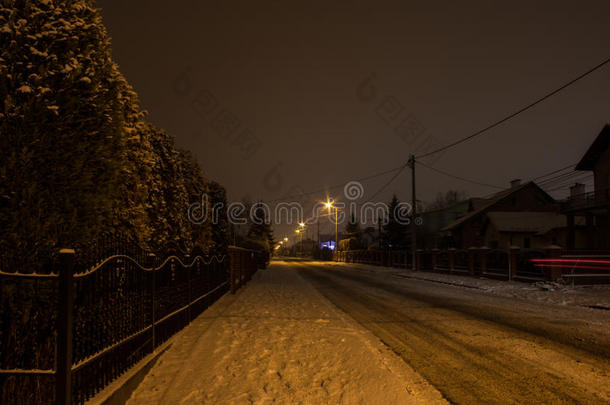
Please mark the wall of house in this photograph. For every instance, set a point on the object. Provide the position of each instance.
(559, 237)
(504, 240)
(601, 233)
(602, 173)
(470, 233)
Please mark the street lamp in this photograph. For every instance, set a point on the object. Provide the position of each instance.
(330, 206)
(298, 231)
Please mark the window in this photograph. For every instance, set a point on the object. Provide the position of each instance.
(526, 243)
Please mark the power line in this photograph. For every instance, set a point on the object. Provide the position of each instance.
(458, 177)
(495, 124)
(553, 172)
(560, 178)
(521, 110)
(336, 186)
(400, 170)
(459, 141)
(586, 177)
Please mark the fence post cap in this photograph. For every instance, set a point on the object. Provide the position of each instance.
(483, 248)
(472, 248)
(452, 249)
(514, 247)
(554, 247)
(66, 251)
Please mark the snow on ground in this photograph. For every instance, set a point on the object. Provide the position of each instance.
(279, 341)
(548, 292)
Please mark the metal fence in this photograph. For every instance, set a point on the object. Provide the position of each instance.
(66, 334)
(529, 265)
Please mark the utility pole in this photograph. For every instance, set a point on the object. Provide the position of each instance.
(413, 214)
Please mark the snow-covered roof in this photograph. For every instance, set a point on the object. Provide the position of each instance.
(485, 204)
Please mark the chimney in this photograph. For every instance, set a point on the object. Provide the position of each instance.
(515, 183)
(577, 190)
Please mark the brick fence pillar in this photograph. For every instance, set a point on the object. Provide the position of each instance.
(419, 262)
(471, 260)
(483, 251)
(435, 253)
(451, 254)
(553, 272)
(515, 251)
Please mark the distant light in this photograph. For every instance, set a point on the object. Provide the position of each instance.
(297, 231)
(301, 224)
(329, 245)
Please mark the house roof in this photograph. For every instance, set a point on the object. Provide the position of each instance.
(485, 204)
(597, 148)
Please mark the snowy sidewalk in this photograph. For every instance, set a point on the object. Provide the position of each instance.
(279, 341)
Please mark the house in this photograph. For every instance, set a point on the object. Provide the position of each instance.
(593, 206)
(527, 229)
(523, 215)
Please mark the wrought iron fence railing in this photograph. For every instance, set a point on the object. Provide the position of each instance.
(66, 334)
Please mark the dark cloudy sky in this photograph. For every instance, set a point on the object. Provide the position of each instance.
(289, 73)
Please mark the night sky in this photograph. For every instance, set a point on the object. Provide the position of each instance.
(290, 73)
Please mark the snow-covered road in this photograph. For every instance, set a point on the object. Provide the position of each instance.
(479, 345)
(280, 341)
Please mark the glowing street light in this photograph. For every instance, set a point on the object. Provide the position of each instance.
(328, 204)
